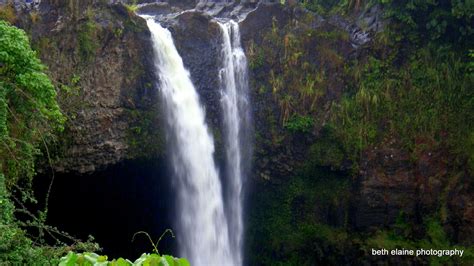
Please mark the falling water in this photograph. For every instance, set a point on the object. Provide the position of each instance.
(234, 88)
(203, 234)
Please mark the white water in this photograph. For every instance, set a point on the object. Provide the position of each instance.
(234, 88)
(203, 233)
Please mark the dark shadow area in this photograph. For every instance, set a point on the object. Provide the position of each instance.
(113, 204)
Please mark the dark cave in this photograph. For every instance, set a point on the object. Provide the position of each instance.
(113, 204)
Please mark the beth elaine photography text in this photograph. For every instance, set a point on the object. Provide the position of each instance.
(418, 252)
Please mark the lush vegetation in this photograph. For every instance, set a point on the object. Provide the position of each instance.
(417, 85)
(409, 89)
(89, 259)
(414, 86)
(310, 212)
(295, 81)
(427, 99)
(29, 114)
(29, 119)
(300, 217)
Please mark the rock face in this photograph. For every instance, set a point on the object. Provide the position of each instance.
(198, 40)
(390, 182)
(97, 55)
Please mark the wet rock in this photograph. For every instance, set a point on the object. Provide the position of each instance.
(198, 40)
(260, 21)
(157, 9)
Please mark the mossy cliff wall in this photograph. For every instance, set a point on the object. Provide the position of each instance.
(339, 168)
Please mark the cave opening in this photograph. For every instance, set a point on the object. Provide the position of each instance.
(113, 204)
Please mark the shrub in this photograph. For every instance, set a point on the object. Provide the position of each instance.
(299, 123)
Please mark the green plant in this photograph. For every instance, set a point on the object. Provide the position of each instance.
(326, 151)
(30, 118)
(446, 22)
(290, 206)
(320, 6)
(435, 238)
(384, 98)
(29, 113)
(297, 123)
(256, 56)
(132, 8)
(89, 259)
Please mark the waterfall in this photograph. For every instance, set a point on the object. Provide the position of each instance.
(234, 89)
(203, 234)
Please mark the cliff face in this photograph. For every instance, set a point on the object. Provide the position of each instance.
(101, 57)
(300, 66)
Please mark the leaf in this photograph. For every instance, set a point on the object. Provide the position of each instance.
(69, 260)
(121, 262)
(169, 259)
(153, 260)
(183, 262)
(89, 258)
(102, 259)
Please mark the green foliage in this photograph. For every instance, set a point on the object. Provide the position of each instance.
(6, 206)
(297, 208)
(298, 123)
(16, 248)
(326, 151)
(432, 85)
(448, 22)
(445, 22)
(435, 238)
(256, 56)
(292, 208)
(29, 113)
(70, 97)
(413, 92)
(88, 258)
(131, 8)
(320, 6)
(29, 119)
(300, 58)
(142, 137)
